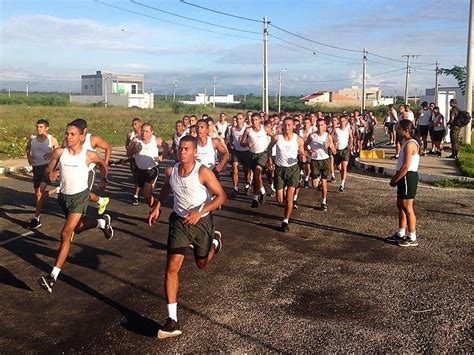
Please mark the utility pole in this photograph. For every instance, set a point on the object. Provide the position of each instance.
(436, 83)
(214, 86)
(279, 89)
(175, 86)
(265, 65)
(205, 93)
(27, 84)
(407, 75)
(166, 95)
(364, 74)
(9, 92)
(470, 64)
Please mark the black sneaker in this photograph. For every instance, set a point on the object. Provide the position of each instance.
(170, 329)
(254, 204)
(135, 200)
(233, 193)
(396, 238)
(407, 242)
(262, 198)
(47, 283)
(34, 224)
(324, 207)
(284, 227)
(218, 237)
(341, 188)
(108, 230)
(306, 184)
(247, 190)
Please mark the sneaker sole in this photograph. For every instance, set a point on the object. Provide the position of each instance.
(219, 239)
(45, 285)
(102, 208)
(35, 228)
(108, 222)
(164, 335)
(408, 245)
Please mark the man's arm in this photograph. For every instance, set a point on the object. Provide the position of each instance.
(50, 169)
(128, 140)
(223, 152)
(331, 145)
(98, 141)
(28, 151)
(94, 157)
(271, 163)
(54, 143)
(165, 191)
(132, 148)
(351, 140)
(164, 147)
(301, 150)
(244, 139)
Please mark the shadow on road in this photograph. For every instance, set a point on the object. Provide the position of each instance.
(7, 278)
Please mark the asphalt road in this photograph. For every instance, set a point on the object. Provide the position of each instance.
(331, 284)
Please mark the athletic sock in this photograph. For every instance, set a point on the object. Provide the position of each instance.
(55, 272)
(37, 217)
(306, 178)
(216, 243)
(101, 201)
(247, 186)
(136, 196)
(255, 197)
(172, 311)
(101, 223)
(295, 198)
(343, 182)
(324, 201)
(262, 190)
(236, 188)
(401, 232)
(412, 235)
(285, 220)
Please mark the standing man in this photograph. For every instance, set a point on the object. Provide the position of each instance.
(287, 171)
(191, 222)
(344, 140)
(134, 133)
(147, 157)
(423, 125)
(320, 143)
(255, 138)
(454, 128)
(74, 161)
(38, 151)
(240, 155)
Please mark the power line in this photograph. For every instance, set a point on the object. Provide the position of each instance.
(172, 22)
(220, 12)
(192, 19)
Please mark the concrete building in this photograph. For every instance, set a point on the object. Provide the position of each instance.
(202, 99)
(114, 89)
(372, 93)
(349, 97)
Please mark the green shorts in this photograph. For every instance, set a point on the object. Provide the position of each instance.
(200, 235)
(241, 157)
(259, 159)
(76, 203)
(39, 176)
(342, 155)
(407, 185)
(286, 176)
(322, 167)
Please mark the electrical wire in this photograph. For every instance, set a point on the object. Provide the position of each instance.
(219, 12)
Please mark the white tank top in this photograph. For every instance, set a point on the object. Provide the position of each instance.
(342, 137)
(39, 149)
(73, 172)
(206, 154)
(222, 128)
(177, 138)
(145, 158)
(88, 146)
(415, 158)
(286, 151)
(317, 148)
(236, 135)
(188, 191)
(258, 141)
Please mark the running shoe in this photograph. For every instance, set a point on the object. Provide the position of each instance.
(332, 179)
(254, 204)
(170, 329)
(35, 223)
(396, 238)
(218, 237)
(285, 227)
(262, 198)
(47, 283)
(407, 242)
(324, 207)
(306, 184)
(134, 200)
(247, 190)
(341, 188)
(108, 230)
(103, 205)
(233, 193)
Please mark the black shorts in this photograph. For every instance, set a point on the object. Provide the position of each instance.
(438, 135)
(39, 176)
(342, 155)
(181, 235)
(149, 176)
(241, 157)
(407, 185)
(390, 126)
(423, 130)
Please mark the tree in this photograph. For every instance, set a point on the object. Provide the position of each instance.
(459, 73)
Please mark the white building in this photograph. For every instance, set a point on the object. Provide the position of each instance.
(202, 99)
(114, 89)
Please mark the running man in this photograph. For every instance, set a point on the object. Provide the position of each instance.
(239, 154)
(255, 138)
(406, 180)
(344, 140)
(179, 132)
(207, 147)
(191, 222)
(134, 133)
(289, 146)
(38, 151)
(74, 160)
(319, 144)
(147, 157)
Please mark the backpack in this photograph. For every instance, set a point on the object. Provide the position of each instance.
(463, 118)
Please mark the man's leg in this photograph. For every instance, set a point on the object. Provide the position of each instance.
(324, 192)
(147, 193)
(235, 175)
(290, 192)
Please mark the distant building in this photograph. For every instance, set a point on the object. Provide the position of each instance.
(348, 97)
(355, 92)
(115, 89)
(202, 99)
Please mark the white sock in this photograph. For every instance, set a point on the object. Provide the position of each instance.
(343, 182)
(285, 220)
(306, 178)
(401, 232)
(255, 197)
(236, 188)
(55, 272)
(172, 311)
(101, 223)
(295, 198)
(136, 196)
(215, 242)
(247, 186)
(262, 190)
(37, 217)
(101, 201)
(412, 235)
(324, 201)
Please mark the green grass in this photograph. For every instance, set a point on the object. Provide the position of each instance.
(453, 184)
(466, 159)
(18, 122)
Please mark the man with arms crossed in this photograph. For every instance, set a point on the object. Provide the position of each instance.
(191, 222)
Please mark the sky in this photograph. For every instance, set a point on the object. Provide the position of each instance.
(319, 44)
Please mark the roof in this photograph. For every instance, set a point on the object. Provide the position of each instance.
(313, 95)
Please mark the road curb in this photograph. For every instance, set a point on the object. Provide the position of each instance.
(15, 169)
(371, 168)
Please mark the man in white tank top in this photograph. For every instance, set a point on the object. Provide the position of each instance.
(289, 147)
(74, 161)
(255, 138)
(239, 154)
(179, 132)
(134, 133)
(343, 139)
(222, 126)
(147, 156)
(319, 144)
(192, 184)
(304, 133)
(38, 151)
(207, 148)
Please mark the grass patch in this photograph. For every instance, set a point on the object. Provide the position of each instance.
(466, 159)
(453, 183)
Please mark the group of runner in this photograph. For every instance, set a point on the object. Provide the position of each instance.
(286, 151)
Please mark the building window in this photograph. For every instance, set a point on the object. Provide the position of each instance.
(85, 87)
(134, 89)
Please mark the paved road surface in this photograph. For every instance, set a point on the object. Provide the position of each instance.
(331, 284)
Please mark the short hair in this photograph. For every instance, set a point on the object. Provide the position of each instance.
(178, 121)
(202, 120)
(136, 119)
(407, 125)
(209, 120)
(424, 104)
(256, 115)
(290, 119)
(453, 101)
(148, 124)
(191, 139)
(80, 123)
(43, 121)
